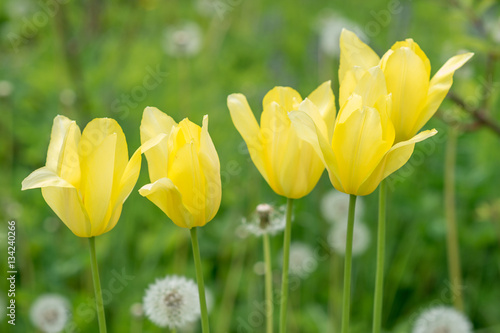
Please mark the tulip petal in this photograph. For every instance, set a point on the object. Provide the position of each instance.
(395, 158)
(60, 128)
(164, 194)
(324, 99)
(438, 89)
(66, 203)
(275, 130)
(69, 162)
(359, 146)
(312, 111)
(371, 87)
(209, 161)
(408, 82)
(189, 180)
(247, 126)
(97, 181)
(153, 142)
(154, 123)
(126, 185)
(288, 98)
(349, 83)
(44, 177)
(410, 43)
(306, 129)
(188, 132)
(353, 52)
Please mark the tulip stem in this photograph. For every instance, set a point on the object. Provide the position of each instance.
(269, 283)
(286, 260)
(451, 219)
(379, 279)
(199, 278)
(97, 287)
(348, 266)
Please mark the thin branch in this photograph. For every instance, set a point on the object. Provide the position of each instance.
(479, 114)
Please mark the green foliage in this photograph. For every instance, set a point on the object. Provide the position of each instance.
(88, 55)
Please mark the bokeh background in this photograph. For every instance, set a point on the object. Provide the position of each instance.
(113, 58)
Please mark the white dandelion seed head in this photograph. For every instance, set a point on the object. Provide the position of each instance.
(442, 319)
(50, 313)
(137, 310)
(259, 268)
(241, 231)
(209, 298)
(183, 40)
(302, 260)
(67, 97)
(330, 27)
(266, 219)
(360, 238)
(17, 9)
(6, 88)
(172, 302)
(334, 207)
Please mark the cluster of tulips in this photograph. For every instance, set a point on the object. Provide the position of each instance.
(384, 102)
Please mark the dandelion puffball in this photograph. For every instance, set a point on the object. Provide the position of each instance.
(334, 207)
(330, 27)
(302, 260)
(360, 239)
(183, 40)
(50, 313)
(266, 220)
(442, 319)
(172, 302)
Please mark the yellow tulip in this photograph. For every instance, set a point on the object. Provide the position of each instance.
(87, 176)
(184, 168)
(362, 151)
(290, 165)
(415, 96)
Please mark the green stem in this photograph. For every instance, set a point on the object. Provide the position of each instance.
(286, 260)
(346, 303)
(97, 287)
(269, 283)
(199, 279)
(379, 279)
(451, 220)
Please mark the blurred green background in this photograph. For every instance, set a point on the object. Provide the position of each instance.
(113, 58)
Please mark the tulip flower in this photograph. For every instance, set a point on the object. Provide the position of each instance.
(184, 170)
(290, 165)
(415, 96)
(415, 99)
(86, 179)
(87, 176)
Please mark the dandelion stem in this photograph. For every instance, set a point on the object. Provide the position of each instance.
(379, 279)
(286, 260)
(346, 303)
(97, 286)
(199, 278)
(451, 220)
(269, 283)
